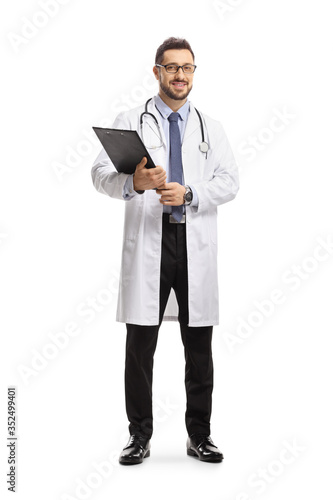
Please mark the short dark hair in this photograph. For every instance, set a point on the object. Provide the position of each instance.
(171, 43)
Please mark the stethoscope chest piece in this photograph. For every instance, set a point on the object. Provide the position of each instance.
(203, 147)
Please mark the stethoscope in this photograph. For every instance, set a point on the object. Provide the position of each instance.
(203, 146)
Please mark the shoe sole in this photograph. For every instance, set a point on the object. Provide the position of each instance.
(134, 462)
(192, 453)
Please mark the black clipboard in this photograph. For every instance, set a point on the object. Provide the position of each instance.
(124, 148)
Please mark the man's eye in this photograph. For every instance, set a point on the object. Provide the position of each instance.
(171, 67)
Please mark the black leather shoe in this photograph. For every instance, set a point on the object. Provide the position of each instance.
(202, 446)
(135, 451)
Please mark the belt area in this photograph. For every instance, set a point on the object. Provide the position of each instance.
(171, 220)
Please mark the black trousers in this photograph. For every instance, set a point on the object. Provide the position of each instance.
(141, 344)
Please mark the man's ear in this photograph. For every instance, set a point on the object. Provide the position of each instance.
(156, 72)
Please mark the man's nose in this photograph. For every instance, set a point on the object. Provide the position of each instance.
(180, 68)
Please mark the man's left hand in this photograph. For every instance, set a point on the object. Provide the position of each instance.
(172, 194)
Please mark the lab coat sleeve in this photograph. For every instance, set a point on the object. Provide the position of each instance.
(128, 191)
(105, 177)
(224, 184)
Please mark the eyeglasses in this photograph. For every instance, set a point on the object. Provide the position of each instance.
(173, 68)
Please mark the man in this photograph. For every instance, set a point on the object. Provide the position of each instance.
(169, 259)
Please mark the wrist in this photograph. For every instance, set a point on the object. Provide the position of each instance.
(188, 195)
(139, 191)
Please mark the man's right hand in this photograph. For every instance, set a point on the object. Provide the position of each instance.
(148, 178)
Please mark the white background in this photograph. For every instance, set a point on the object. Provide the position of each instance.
(60, 244)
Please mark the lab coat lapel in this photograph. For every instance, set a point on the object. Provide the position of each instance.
(152, 109)
(192, 124)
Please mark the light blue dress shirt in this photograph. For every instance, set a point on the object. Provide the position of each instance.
(165, 111)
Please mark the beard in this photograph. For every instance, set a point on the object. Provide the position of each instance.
(174, 95)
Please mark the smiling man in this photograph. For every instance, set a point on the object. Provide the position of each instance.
(175, 88)
(169, 259)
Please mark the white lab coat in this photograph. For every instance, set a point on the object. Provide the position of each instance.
(215, 180)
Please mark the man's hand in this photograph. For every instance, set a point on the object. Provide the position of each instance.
(148, 178)
(172, 194)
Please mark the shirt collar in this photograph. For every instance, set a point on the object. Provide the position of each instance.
(165, 111)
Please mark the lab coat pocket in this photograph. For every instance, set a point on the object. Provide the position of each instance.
(133, 218)
(212, 226)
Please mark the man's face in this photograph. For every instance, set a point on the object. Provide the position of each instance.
(178, 85)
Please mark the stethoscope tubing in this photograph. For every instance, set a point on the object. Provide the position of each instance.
(204, 147)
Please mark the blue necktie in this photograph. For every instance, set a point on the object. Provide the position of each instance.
(176, 167)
